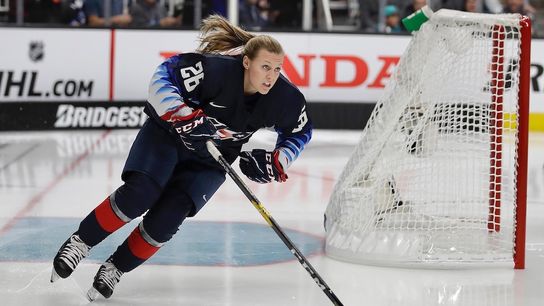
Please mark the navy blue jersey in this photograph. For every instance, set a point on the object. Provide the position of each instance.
(215, 84)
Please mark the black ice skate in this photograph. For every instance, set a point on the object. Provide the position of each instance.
(68, 257)
(104, 282)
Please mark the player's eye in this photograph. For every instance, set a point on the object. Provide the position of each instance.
(277, 69)
(266, 67)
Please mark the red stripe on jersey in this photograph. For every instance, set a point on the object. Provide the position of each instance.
(106, 217)
(171, 115)
(139, 247)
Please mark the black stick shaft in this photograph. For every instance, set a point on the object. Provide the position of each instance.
(270, 220)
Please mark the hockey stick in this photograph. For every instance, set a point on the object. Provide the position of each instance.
(266, 215)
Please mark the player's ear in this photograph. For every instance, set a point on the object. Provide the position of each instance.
(245, 62)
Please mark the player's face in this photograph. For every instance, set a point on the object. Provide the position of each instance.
(262, 72)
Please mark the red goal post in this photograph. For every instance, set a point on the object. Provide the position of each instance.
(523, 141)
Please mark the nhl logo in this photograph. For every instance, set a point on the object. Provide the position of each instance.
(36, 51)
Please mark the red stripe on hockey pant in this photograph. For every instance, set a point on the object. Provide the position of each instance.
(106, 217)
(139, 247)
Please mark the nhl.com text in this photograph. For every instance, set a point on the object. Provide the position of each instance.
(25, 84)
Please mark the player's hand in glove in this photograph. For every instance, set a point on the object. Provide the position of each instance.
(195, 130)
(262, 166)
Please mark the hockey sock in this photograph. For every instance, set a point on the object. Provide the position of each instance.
(158, 226)
(129, 201)
(135, 250)
(101, 222)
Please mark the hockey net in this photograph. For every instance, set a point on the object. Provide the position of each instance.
(438, 178)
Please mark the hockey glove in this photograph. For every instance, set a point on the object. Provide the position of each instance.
(195, 130)
(262, 166)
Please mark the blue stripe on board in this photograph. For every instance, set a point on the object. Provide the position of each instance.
(203, 243)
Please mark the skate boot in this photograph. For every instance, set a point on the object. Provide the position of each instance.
(68, 257)
(105, 280)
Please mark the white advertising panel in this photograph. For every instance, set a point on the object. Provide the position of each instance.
(74, 64)
(326, 67)
(54, 64)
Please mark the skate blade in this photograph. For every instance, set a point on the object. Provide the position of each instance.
(54, 276)
(92, 294)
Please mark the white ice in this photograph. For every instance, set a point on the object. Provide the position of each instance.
(48, 175)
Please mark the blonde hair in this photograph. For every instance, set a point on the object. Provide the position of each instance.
(219, 36)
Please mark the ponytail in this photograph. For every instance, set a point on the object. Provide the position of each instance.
(219, 36)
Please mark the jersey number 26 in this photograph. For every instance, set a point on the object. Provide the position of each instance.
(192, 76)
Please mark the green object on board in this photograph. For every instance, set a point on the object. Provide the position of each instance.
(413, 22)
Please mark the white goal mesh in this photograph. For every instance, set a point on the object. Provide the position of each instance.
(433, 179)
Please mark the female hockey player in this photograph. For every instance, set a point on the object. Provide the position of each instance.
(193, 98)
